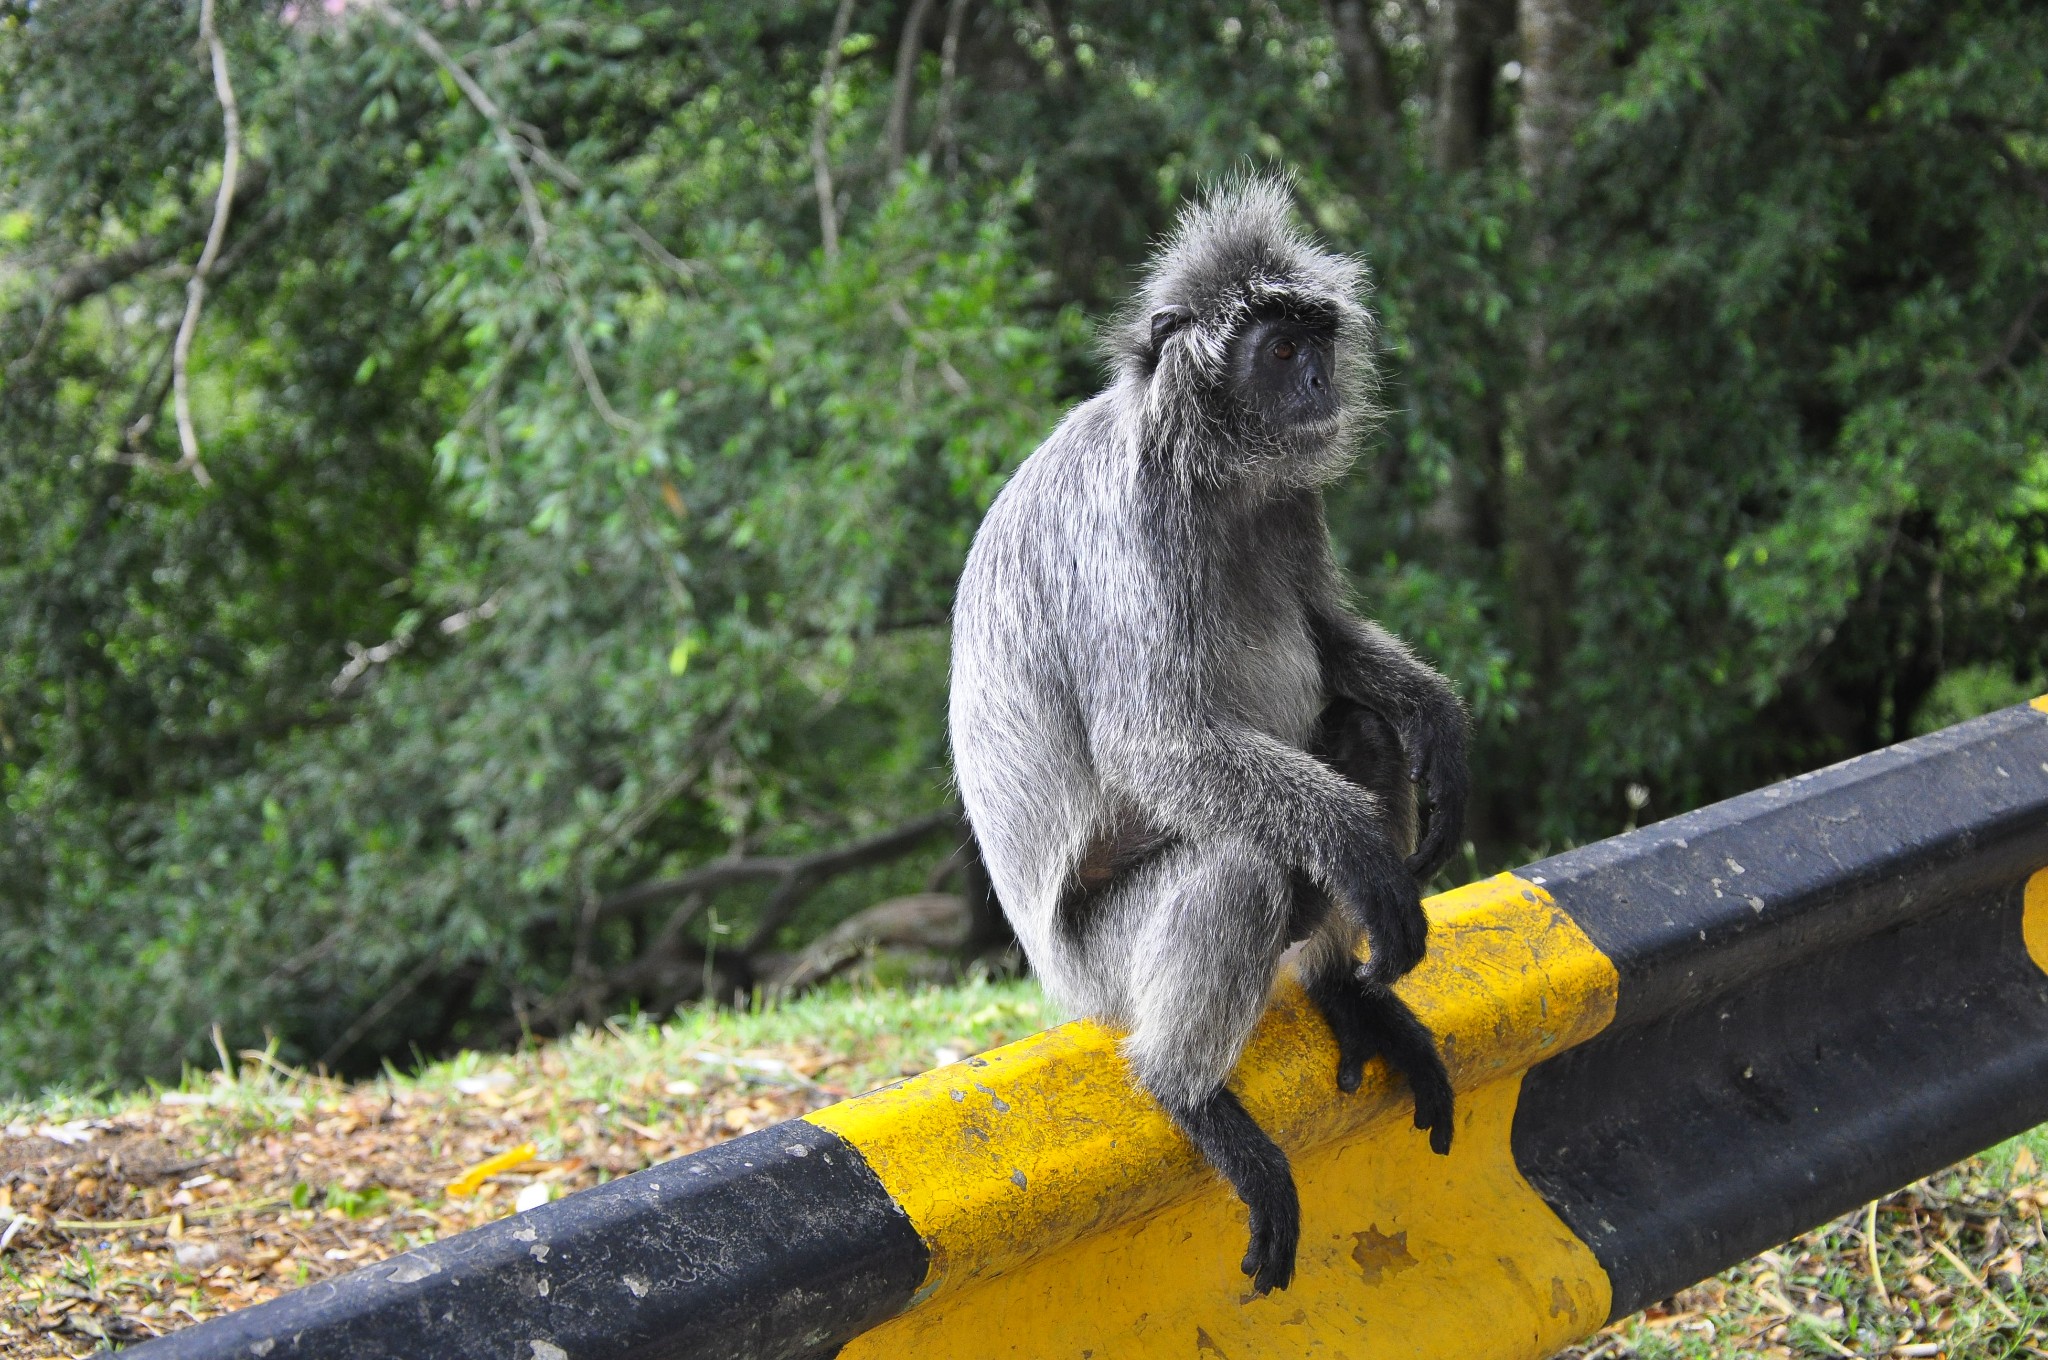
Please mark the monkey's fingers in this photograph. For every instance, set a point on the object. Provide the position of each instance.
(1435, 851)
(1399, 937)
(1443, 813)
(1376, 891)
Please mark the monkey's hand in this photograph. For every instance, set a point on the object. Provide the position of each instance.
(1434, 739)
(1374, 887)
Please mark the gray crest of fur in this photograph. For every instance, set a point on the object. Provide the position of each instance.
(1237, 250)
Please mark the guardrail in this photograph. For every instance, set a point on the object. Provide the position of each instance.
(1673, 1048)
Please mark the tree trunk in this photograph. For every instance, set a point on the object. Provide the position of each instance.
(1467, 31)
(1558, 82)
(1558, 59)
(1372, 103)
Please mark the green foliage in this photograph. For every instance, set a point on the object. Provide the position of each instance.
(1972, 692)
(576, 520)
(1818, 290)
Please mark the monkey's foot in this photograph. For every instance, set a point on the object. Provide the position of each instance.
(1257, 1169)
(1370, 1021)
(1275, 1235)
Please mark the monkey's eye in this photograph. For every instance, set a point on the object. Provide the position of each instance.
(1283, 350)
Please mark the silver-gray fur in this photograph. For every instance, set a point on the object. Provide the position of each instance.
(1158, 695)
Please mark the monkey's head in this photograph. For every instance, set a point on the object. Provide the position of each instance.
(1247, 352)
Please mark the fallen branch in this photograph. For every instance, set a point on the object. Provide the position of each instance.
(659, 968)
(394, 997)
(790, 873)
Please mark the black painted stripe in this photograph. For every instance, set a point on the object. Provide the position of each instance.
(1690, 907)
(775, 1246)
(1850, 1009)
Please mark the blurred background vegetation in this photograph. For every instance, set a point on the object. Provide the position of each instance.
(589, 405)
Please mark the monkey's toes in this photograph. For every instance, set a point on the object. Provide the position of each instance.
(1354, 1051)
(1269, 1260)
(1350, 1074)
(1274, 1218)
(1434, 852)
(1435, 1109)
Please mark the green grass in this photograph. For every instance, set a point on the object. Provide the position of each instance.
(876, 1035)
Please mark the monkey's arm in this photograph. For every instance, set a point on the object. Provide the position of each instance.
(1211, 778)
(1366, 664)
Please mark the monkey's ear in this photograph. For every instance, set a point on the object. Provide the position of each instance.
(1165, 322)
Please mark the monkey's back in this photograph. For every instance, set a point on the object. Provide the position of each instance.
(1019, 737)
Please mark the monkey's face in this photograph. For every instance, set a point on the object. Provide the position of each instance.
(1283, 376)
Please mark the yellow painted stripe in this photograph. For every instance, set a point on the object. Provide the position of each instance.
(1066, 1216)
(2034, 919)
(2040, 703)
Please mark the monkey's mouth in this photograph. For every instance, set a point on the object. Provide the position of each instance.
(1315, 429)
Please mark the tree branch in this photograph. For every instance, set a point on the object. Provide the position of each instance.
(96, 274)
(195, 287)
(581, 358)
(2014, 334)
(394, 997)
(501, 131)
(944, 137)
(821, 124)
(896, 136)
(517, 149)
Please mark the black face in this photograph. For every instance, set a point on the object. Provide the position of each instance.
(1282, 370)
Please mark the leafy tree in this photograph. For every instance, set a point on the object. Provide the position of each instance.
(595, 401)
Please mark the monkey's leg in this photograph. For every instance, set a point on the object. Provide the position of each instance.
(1202, 930)
(1369, 1021)
(1232, 1142)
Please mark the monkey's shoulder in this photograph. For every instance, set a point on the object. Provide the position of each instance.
(1063, 494)
(1077, 458)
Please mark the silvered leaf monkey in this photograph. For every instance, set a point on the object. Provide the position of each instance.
(1180, 751)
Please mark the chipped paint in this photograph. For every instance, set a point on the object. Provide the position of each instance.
(1403, 1253)
(1053, 1190)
